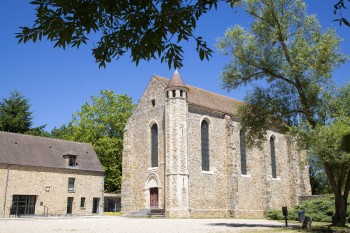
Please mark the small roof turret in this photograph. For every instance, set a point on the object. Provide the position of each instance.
(176, 81)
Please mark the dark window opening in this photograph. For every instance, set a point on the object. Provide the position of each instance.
(154, 146)
(153, 102)
(71, 184)
(205, 145)
(70, 205)
(273, 157)
(174, 93)
(82, 202)
(181, 91)
(72, 162)
(95, 205)
(23, 205)
(243, 153)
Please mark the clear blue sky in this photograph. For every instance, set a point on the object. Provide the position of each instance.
(58, 82)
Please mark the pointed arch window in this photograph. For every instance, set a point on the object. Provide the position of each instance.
(243, 152)
(205, 145)
(154, 145)
(273, 157)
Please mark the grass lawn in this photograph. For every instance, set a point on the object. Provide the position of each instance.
(316, 227)
(112, 213)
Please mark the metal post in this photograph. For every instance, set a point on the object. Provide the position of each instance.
(285, 218)
(285, 214)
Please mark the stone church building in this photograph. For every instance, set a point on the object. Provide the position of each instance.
(184, 152)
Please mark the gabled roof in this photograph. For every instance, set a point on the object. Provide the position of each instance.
(27, 150)
(207, 99)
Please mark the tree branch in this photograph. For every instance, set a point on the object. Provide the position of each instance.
(347, 187)
(342, 175)
(331, 179)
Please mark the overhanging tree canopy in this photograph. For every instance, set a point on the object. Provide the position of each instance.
(148, 29)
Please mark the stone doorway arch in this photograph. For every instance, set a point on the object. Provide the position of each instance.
(153, 192)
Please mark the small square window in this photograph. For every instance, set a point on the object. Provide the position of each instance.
(82, 202)
(71, 181)
(153, 102)
(72, 161)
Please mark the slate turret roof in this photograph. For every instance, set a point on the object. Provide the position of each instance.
(27, 150)
(176, 81)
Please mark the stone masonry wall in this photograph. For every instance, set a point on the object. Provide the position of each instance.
(224, 190)
(221, 191)
(51, 189)
(138, 175)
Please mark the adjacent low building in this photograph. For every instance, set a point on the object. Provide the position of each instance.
(45, 176)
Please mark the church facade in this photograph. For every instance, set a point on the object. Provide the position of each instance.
(184, 152)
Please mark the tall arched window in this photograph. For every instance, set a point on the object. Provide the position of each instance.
(154, 145)
(243, 152)
(205, 145)
(273, 157)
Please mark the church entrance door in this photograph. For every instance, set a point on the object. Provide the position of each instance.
(154, 198)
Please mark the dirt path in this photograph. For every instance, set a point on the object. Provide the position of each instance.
(131, 225)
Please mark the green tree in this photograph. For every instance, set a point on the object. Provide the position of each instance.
(318, 178)
(64, 132)
(148, 29)
(345, 146)
(15, 114)
(286, 49)
(39, 131)
(102, 123)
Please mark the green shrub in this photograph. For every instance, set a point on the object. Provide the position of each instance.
(320, 209)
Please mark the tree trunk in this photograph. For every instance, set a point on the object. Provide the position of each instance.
(339, 219)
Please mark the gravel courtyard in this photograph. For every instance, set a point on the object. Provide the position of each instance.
(107, 224)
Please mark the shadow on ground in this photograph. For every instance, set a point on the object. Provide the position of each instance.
(245, 225)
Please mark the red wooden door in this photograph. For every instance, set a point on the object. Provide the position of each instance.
(154, 197)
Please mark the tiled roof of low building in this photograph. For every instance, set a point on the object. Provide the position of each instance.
(207, 99)
(27, 150)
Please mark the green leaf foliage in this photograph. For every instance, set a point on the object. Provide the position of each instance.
(15, 114)
(318, 178)
(102, 123)
(320, 209)
(338, 10)
(147, 29)
(286, 50)
(345, 146)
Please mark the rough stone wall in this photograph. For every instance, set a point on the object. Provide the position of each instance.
(50, 185)
(208, 191)
(224, 190)
(138, 175)
(176, 156)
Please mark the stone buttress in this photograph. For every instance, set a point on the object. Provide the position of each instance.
(176, 172)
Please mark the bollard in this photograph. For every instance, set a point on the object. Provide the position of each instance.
(307, 223)
(301, 215)
(285, 214)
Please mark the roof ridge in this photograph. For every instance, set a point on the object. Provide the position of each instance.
(215, 93)
(48, 138)
(191, 86)
(158, 76)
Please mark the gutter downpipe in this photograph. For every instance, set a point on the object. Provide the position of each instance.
(5, 193)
